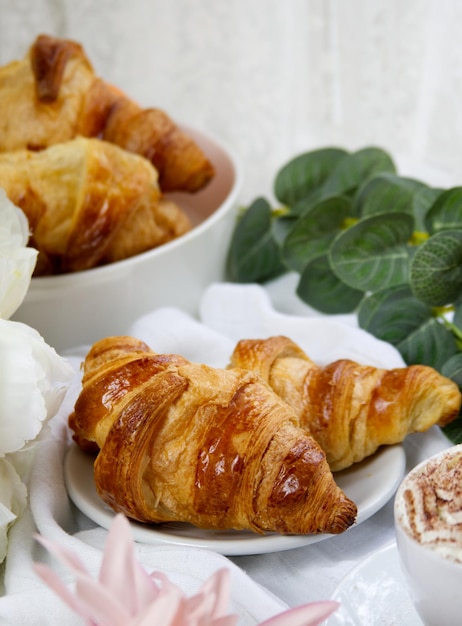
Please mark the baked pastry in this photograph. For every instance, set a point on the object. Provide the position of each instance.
(153, 134)
(88, 203)
(351, 409)
(180, 441)
(53, 95)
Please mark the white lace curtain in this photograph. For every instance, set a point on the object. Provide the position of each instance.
(273, 78)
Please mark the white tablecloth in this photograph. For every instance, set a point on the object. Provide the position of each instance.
(262, 585)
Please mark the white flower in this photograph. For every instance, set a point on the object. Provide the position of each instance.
(33, 380)
(17, 261)
(33, 377)
(13, 498)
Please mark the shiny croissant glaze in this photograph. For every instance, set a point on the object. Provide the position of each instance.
(350, 409)
(214, 447)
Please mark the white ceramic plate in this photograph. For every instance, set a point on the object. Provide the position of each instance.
(369, 484)
(374, 593)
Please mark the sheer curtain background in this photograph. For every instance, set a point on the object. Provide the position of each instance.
(273, 78)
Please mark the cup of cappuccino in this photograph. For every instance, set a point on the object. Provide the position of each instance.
(428, 523)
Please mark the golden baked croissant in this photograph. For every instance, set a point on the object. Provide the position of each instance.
(213, 447)
(151, 133)
(50, 96)
(53, 95)
(88, 202)
(351, 409)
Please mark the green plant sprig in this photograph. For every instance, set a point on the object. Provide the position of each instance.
(364, 239)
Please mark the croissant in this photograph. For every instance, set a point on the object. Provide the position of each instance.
(88, 202)
(153, 134)
(50, 96)
(53, 95)
(180, 441)
(350, 409)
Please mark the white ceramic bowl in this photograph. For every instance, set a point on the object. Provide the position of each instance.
(80, 308)
(431, 563)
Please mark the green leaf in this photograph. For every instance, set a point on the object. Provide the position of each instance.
(301, 207)
(305, 173)
(281, 227)
(453, 369)
(387, 192)
(392, 314)
(457, 319)
(453, 431)
(423, 200)
(431, 344)
(436, 269)
(320, 288)
(373, 254)
(312, 234)
(254, 255)
(446, 212)
(354, 169)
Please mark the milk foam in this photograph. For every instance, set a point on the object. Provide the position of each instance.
(429, 504)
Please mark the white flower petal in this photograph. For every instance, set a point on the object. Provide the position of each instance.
(13, 498)
(33, 381)
(17, 261)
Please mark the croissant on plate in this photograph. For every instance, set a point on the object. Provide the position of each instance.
(53, 95)
(88, 203)
(350, 409)
(180, 441)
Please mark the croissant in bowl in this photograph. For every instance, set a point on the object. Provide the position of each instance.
(89, 203)
(53, 95)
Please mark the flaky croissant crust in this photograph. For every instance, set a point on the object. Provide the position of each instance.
(53, 95)
(214, 447)
(351, 409)
(88, 203)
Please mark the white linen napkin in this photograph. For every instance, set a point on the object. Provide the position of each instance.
(227, 313)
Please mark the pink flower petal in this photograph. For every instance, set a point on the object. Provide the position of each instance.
(209, 607)
(166, 610)
(311, 614)
(66, 556)
(120, 571)
(228, 620)
(126, 595)
(55, 583)
(218, 587)
(104, 607)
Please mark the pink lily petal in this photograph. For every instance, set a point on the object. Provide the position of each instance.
(55, 583)
(218, 587)
(165, 610)
(311, 614)
(66, 556)
(126, 595)
(105, 608)
(210, 604)
(199, 610)
(120, 571)
(227, 620)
